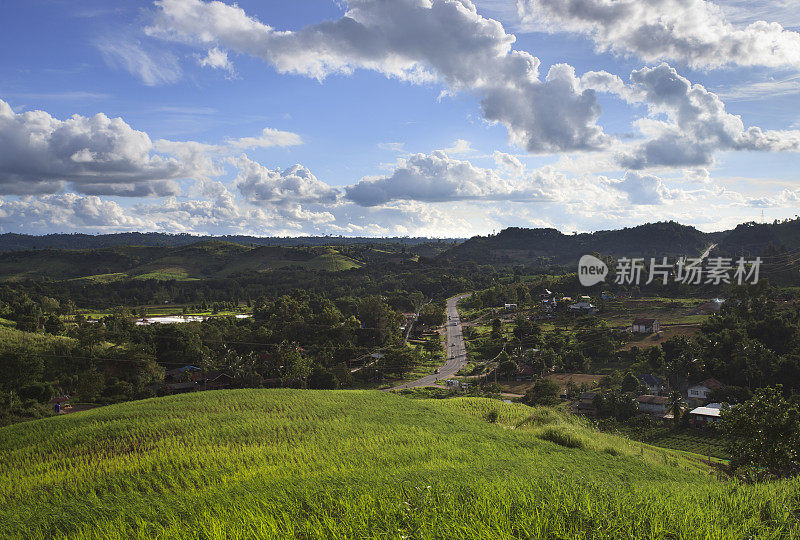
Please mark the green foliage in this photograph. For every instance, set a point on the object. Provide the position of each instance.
(764, 434)
(543, 392)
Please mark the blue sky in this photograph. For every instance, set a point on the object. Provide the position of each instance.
(396, 117)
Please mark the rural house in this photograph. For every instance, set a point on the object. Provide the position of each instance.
(645, 326)
(707, 414)
(700, 391)
(655, 385)
(652, 405)
(585, 404)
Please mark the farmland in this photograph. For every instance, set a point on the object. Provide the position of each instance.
(289, 463)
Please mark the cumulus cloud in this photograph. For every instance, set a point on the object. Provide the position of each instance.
(698, 125)
(695, 32)
(97, 155)
(418, 41)
(259, 184)
(269, 137)
(216, 58)
(436, 177)
(644, 188)
(67, 211)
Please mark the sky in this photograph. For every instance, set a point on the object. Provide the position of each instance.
(439, 118)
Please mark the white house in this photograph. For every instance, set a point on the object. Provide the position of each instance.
(510, 306)
(707, 414)
(645, 326)
(654, 405)
(700, 391)
(583, 306)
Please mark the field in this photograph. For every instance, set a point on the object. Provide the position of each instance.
(361, 464)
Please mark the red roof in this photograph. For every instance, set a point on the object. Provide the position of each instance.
(712, 384)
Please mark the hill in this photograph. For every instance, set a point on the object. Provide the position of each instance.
(360, 464)
(195, 261)
(549, 246)
(24, 242)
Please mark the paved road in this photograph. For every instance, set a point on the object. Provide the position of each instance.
(456, 352)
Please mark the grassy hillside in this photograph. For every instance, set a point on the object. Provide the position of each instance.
(195, 261)
(348, 464)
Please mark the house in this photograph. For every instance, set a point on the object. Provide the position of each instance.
(510, 306)
(705, 415)
(700, 391)
(655, 385)
(583, 307)
(645, 326)
(526, 373)
(652, 405)
(585, 403)
(451, 383)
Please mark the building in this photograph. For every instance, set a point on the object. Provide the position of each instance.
(526, 372)
(700, 391)
(708, 414)
(645, 326)
(582, 307)
(652, 405)
(655, 385)
(510, 306)
(585, 403)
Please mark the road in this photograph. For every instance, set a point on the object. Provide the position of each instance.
(455, 350)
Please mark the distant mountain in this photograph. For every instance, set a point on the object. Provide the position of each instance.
(210, 259)
(22, 242)
(550, 246)
(753, 239)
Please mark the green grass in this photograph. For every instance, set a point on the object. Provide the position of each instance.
(360, 464)
(12, 339)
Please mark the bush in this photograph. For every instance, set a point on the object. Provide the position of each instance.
(40, 392)
(562, 437)
(492, 416)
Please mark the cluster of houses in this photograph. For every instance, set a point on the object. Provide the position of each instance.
(582, 304)
(655, 402)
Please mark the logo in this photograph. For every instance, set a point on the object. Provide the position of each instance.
(591, 270)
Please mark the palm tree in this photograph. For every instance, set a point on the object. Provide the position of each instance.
(675, 405)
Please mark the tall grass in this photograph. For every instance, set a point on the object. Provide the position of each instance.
(353, 464)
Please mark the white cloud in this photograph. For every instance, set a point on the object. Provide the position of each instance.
(695, 32)
(152, 67)
(417, 41)
(67, 211)
(216, 58)
(436, 177)
(698, 125)
(460, 146)
(644, 188)
(97, 155)
(259, 184)
(269, 137)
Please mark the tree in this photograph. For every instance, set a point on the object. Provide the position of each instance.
(54, 325)
(676, 405)
(322, 379)
(630, 383)
(543, 392)
(764, 433)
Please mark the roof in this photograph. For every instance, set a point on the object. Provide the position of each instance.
(712, 409)
(652, 400)
(646, 322)
(711, 384)
(525, 369)
(651, 380)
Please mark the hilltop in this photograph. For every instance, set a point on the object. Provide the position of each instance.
(549, 246)
(360, 464)
(663, 239)
(202, 260)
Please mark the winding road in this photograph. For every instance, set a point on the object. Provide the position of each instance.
(455, 350)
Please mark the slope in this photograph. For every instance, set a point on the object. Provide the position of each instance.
(359, 464)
